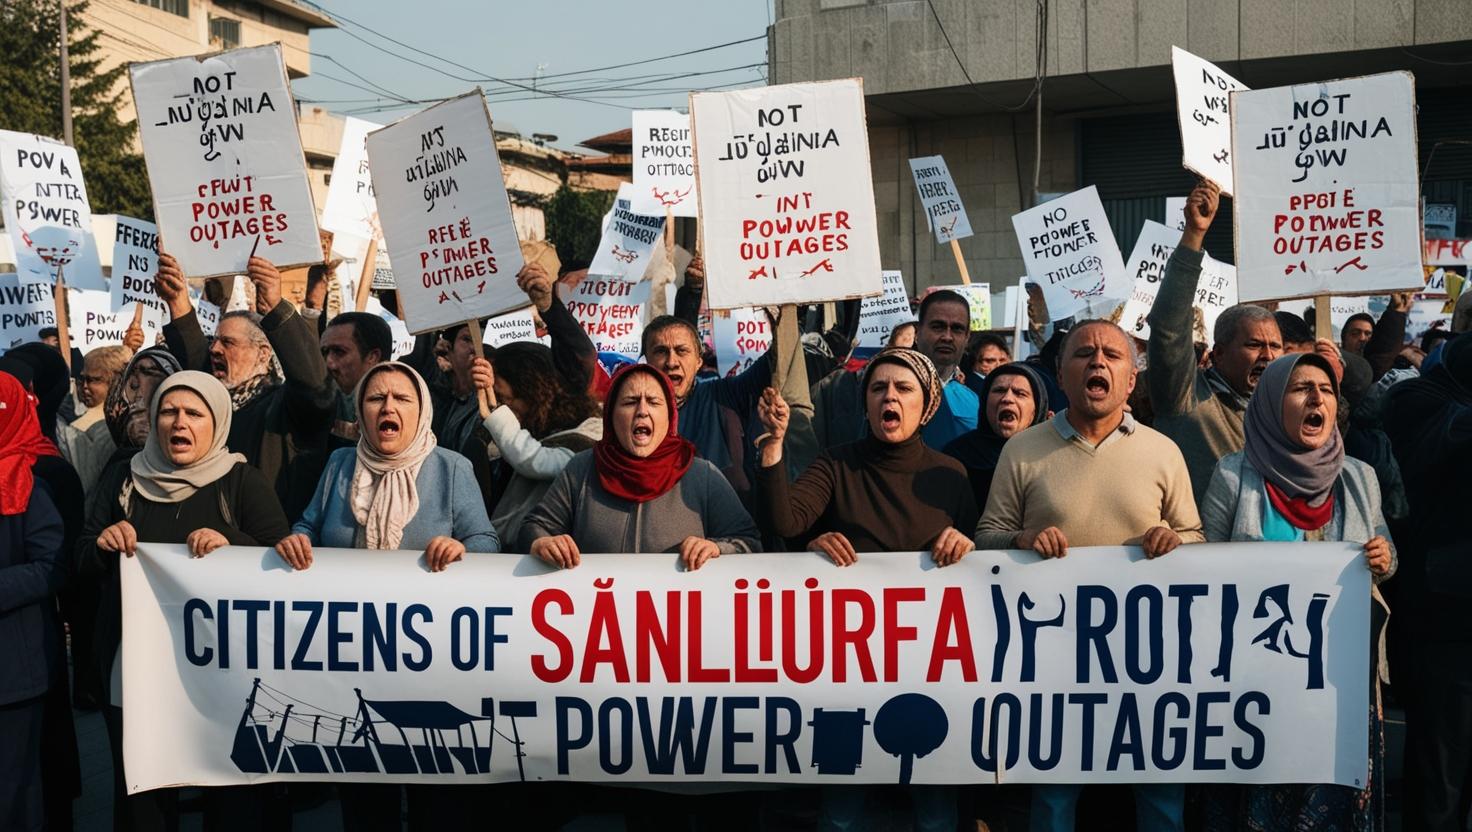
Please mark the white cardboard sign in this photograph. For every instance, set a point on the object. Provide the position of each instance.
(1202, 95)
(880, 314)
(612, 311)
(1216, 288)
(351, 207)
(46, 211)
(1175, 212)
(25, 310)
(664, 164)
(134, 264)
(1070, 252)
(520, 325)
(742, 337)
(944, 213)
(445, 215)
(1328, 198)
(978, 297)
(786, 200)
(91, 321)
(628, 238)
(403, 341)
(225, 161)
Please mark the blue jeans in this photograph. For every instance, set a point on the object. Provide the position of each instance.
(1158, 808)
(843, 808)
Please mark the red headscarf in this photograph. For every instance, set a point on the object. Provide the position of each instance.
(633, 478)
(21, 442)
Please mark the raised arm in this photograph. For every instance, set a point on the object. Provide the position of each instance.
(688, 296)
(182, 334)
(1388, 337)
(310, 397)
(1171, 351)
(573, 352)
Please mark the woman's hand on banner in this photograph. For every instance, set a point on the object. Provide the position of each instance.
(120, 537)
(950, 546)
(203, 541)
(1160, 541)
(695, 551)
(836, 547)
(443, 551)
(296, 550)
(1377, 555)
(559, 550)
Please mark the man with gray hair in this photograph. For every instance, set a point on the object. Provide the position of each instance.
(1202, 410)
(280, 425)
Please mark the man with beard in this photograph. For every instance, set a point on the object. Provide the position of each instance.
(1202, 410)
(1013, 399)
(1059, 486)
(276, 422)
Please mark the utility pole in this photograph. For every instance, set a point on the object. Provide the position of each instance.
(66, 82)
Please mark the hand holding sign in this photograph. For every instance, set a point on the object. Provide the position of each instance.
(171, 287)
(267, 281)
(534, 280)
(483, 376)
(133, 337)
(1201, 207)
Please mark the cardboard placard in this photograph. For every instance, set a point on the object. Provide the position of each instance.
(225, 161)
(742, 337)
(25, 310)
(46, 211)
(944, 212)
(1071, 254)
(612, 311)
(134, 265)
(511, 327)
(786, 200)
(664, 164)
(628, 238)
(92, 322)
(1175, 212)
(445, 215)
(1328, 194)
(879, 315)
(1202, 108)
(351, 207)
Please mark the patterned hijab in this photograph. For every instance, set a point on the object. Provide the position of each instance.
(124, 401)
(914, 361)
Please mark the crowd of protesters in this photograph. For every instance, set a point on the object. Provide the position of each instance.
(292, 431)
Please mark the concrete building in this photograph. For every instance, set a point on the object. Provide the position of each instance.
(1108, 114)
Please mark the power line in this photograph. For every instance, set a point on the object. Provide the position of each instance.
(648, 60)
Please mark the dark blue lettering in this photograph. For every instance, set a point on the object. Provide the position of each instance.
(786, 740)
(278, 649)
(251, 638)
(1205, 730)
(1029, 631)
(676, 734)
(1035, 755)
(464, 620)
(1184, 595)
(380, 640)
(222, 632)
(1086, 749)
(1097, 635)
(1004, 633)
(1223, 669)
(730, 736)
(1251, 759)
(607, 738)
(1178, 733)
(313, 609)
(198, 658)
(1154, 634)
(986, 752)
(425, 654)
(1126, 740)
(566, 742)
(492, 637)
(335, 635)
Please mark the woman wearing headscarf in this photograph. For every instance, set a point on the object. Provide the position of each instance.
(537, 424)
(887, 492)
(396, 489)
(1292, 482)
(32, 570)
(41, 368)
(183, 487)
(1013, 399)
(640, 489)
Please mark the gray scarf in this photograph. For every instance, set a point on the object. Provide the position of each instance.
(1297, 471)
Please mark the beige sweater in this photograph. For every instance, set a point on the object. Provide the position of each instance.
(1106, 496)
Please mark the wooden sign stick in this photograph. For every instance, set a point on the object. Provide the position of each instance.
(1323, 326)
(365, 276)
(63, 334)
(480, 395)
(960, 262)
(669, 232)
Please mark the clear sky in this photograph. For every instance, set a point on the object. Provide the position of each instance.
(511, 40)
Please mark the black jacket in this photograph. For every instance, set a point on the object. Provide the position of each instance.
(32, 570)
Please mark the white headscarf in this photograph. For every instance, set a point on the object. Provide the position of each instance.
(384, 495)
(155, 476)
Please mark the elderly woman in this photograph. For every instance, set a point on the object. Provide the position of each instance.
(1293, 482)
(887, 492)
(396, 489)
(86, 441)
(640, 489)
(537, 423)
(1013, 399)
(183, 487)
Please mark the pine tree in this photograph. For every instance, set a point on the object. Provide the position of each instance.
(30, 100)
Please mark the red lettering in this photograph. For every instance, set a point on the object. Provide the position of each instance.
(698, 673)
(952, 619)
(893, 632)
(665, 639)
(605, 620)
(540, 668)
(858, 636)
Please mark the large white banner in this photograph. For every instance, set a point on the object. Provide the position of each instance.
(445, 214)
(1328, 195)
(880, 314)
(664, 164)
(351, 207)
(628, 239)
(1070, 252)
(786, 200)
(944, 213)
(1238, 663)
(1203, 92)
(225, 161)
(46, 211)
(134, 265)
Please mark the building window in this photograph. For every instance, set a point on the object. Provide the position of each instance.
(179, 7)
(224, 32)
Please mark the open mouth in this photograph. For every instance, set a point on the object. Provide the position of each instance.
(889, 419)
(180, 443)
(642, 434)
(1008, 417)
(1313, 422)
(388, 428)
(1096, 386)
(1255, 373)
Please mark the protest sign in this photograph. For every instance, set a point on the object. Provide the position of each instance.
(46, 211)
(628, 238)
(978, 297)
(742, 337)
(351, 207)
(786, 200)
(1216, 288)
(944, 213)
(445, 215)
(1424, 315)
(1071, 254)
(25, 310)
(664, 164)
(225, 161)
(207, 313)
(92, 322)
(1202, 95)
(1175, 212)
(880, 314)
(612, 311)
(511, 327)
(403, 341)
(134, 264)
(1218, 663)
(1328, 199)
(1341, 309)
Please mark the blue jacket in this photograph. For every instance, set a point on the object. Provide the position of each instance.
(449, 504)
(32, 570)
